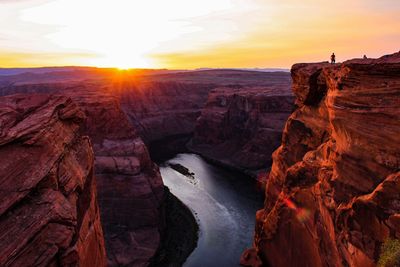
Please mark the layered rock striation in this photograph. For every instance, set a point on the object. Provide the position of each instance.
(48, 208)
(333, 193)
(241, 127)
(163, 109)
(131, 191)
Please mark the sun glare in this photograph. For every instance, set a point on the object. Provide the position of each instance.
(121, 33)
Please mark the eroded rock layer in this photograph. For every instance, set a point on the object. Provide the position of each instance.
(333, 193)
(130, 186)
(163, 109)
(48, 208)
(241, 127)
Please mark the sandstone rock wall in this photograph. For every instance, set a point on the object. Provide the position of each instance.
(131, 191)
(162, 109)
(129, 185)
(333, 193)
(241, 127)
(48, 208)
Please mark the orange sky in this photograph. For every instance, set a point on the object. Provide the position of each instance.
(192, 34)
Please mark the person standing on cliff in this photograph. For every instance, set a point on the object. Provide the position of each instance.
(333, 58)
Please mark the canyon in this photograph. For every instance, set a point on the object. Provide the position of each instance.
(122, 118)
(168, 109)
(87, 144)
(240, 127)
(332, 196)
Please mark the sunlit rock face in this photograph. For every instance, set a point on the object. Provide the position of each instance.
(241, 127)
(48, 208)
(333, 193)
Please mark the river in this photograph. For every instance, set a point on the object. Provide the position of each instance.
(224, 205)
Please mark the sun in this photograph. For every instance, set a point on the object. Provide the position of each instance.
(123, 33)
(123, 61)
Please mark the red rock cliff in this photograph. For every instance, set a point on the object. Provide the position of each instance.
(241, 127)
(130, 186)
(333, 193)
(48, 208)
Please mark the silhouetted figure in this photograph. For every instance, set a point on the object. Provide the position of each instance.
(333, 58)
(364, 57)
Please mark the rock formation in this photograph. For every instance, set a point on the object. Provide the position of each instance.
(130, 186)
(162, 109)
(48, 208)
(241, 127)
(333, 193)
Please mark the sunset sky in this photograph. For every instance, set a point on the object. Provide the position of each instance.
(192, 33)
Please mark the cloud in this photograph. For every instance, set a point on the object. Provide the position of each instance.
(9, 59)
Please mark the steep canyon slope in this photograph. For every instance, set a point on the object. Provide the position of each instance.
(241, 127)
(333, 193)
(48, 202)
(130, 187)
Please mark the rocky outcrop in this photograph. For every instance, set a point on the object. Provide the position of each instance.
(333, 193)
(241, 127)
(131, 191)
(48, 208)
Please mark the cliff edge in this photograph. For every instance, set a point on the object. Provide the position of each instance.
(332, 197)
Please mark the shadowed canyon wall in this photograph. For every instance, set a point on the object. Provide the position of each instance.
(161, 109)
(241, 127)
(165, 109)
(48, 207)
(333, 193)
(130, 187)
